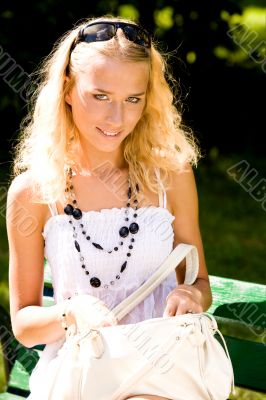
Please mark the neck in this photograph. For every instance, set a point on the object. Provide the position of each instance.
(96, 162)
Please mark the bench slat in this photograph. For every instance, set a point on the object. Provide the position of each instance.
(239, 300)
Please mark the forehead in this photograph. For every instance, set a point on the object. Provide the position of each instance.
(100, 71)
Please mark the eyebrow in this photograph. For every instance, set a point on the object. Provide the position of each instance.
(105, 91)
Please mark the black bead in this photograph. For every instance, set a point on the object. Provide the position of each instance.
(132, 240)
(124, 231)
(128, 254)
(115, 248)
(84, 232)
(129, 192)
(87, 273)
(98, 246)
(136, 201)
(117, 276)
(77, 246)
(123, 267)
(77, 213)
(128, 204)
(130, 247)
(110, 251)
(121, 243)
(83, 266)
(74, 201)
(88, 237)
(135, 215)
(95, 282)
(126, 219)
(68, 210)
(133, 227)
(81, 225)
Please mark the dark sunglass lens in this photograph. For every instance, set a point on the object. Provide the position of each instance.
(136, 35)
(98, 32)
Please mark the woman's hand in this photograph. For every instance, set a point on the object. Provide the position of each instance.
(86, 311)
(183, 299)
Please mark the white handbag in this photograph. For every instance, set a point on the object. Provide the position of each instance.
(174, 357)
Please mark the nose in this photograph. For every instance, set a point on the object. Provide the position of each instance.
(116, 115)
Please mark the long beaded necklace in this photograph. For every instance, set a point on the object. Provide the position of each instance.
(75, 215)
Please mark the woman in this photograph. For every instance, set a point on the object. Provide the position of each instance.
(103, 141)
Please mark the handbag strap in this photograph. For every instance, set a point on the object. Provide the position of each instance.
(180, 252)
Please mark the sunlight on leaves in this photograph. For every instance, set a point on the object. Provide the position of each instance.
(253, 18)
(247, 32)
(191, 57)
(128, 11)
(164, 18)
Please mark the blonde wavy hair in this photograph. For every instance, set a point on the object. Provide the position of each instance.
(48, 135)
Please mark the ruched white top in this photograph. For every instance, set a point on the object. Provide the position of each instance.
(153, 243)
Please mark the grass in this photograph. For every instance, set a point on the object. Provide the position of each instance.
(232, 222)
(232, 226)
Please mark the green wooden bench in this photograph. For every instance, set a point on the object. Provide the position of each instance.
(239, 308)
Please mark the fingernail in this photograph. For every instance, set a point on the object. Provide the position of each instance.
(165, 315)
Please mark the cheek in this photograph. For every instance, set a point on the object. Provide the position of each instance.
(84, 109)
(134, 114)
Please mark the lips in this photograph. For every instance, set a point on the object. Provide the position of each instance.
(109, 134)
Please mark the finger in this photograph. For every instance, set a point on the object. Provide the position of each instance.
(181, 309)
(170, 308)
(197, 309)
(189, 309)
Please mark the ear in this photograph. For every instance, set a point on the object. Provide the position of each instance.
(68, 97)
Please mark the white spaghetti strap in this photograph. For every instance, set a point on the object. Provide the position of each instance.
(162, 192)
(164, 199)
(53, 209)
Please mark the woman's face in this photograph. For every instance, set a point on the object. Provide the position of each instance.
(107, 100)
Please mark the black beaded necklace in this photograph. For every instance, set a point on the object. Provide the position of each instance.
(75, 215)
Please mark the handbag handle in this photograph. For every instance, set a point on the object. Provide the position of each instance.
(180, 252)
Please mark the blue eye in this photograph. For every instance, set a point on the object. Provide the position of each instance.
(100, 96)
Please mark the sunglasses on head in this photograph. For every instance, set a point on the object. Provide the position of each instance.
(106, 30)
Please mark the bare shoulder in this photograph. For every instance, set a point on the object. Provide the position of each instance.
(21, 185)
(22, 209)
(182, 195)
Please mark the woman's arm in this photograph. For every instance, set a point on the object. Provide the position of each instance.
(183, 199)
(32, 324)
